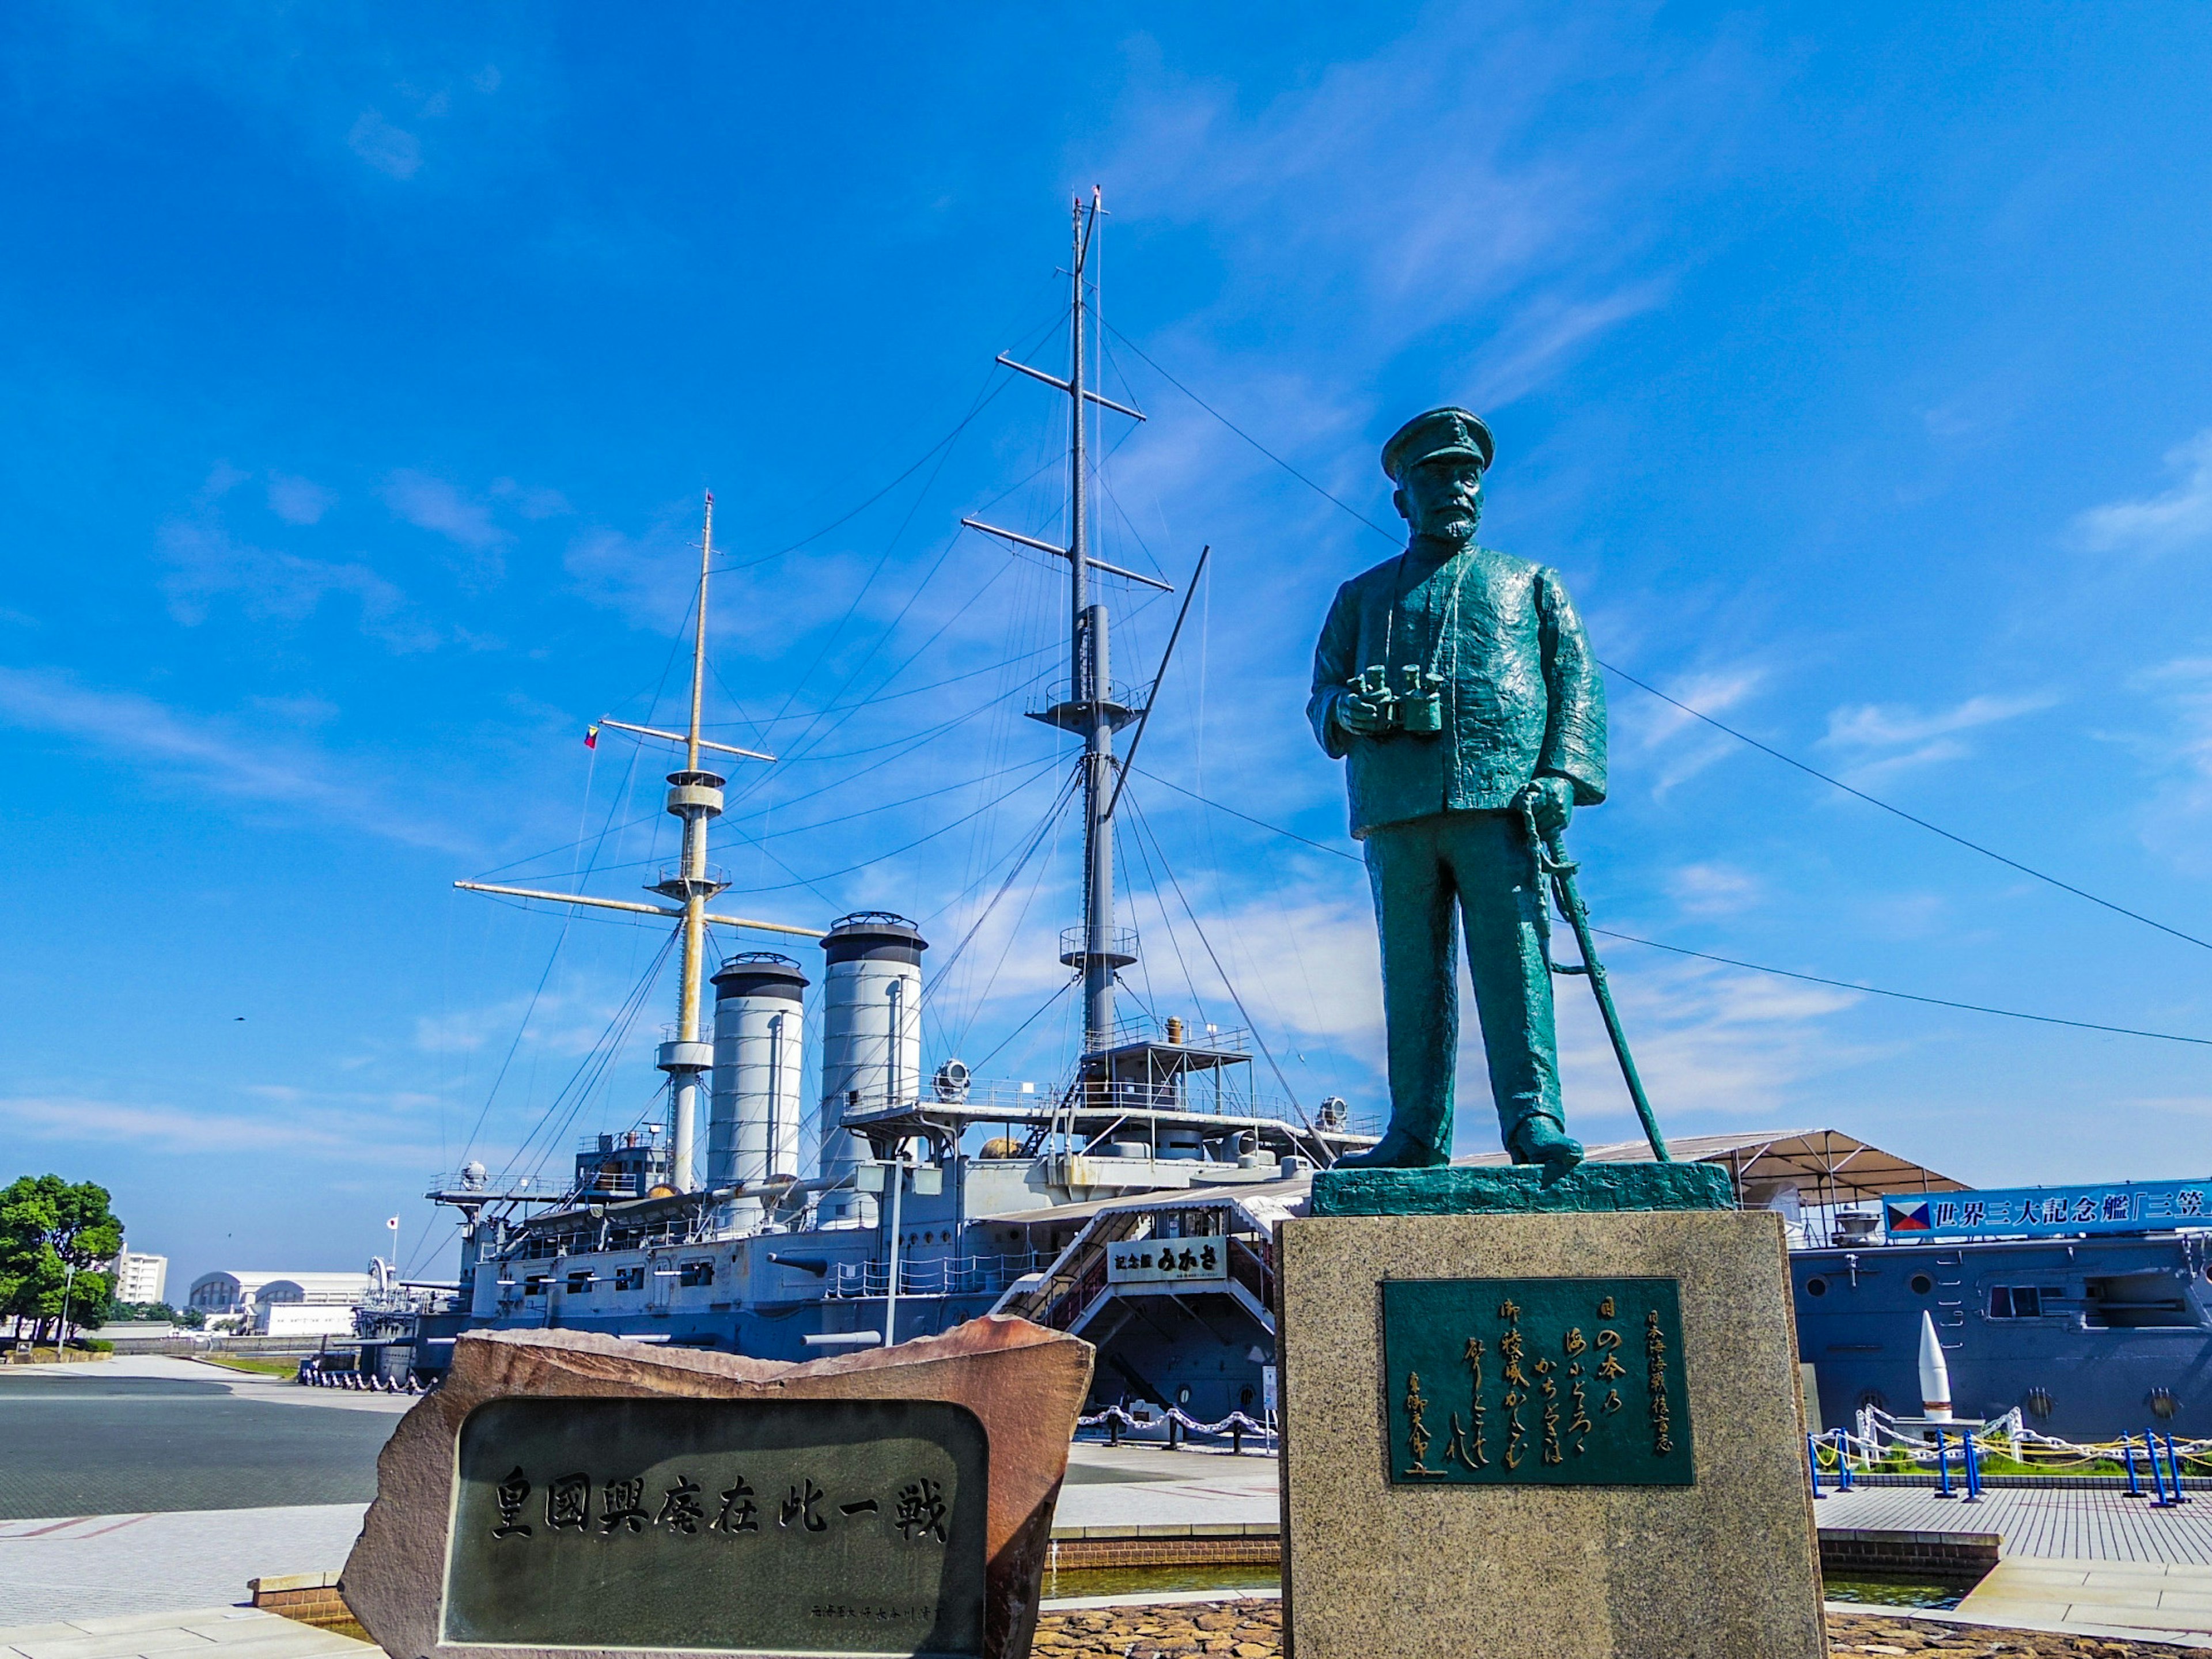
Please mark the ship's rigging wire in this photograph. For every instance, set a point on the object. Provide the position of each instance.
(1809, 770)
(881, 698)
(988, 391)
(591, 1069)
(1732, 962)
(1007, 1041)
(757, 838)
(879, 858)
(1047, 826)
(985, 396)
(1145, 828)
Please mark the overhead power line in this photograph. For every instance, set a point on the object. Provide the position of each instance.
(1905, 996)
(1932, 829)
(1731, 962)
(1392, 537)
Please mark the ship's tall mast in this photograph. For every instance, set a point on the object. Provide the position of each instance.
(1090, 685)
(1098, 949)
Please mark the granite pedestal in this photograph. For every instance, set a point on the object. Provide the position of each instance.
(1656, 1511)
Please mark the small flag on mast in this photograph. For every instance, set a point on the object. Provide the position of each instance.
(590, 737)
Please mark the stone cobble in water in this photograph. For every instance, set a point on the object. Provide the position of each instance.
(1252, 1629)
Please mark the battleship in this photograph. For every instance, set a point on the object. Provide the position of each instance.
(934, 1196)
(1132, 1200)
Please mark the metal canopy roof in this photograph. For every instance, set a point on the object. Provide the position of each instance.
(1827, 1165)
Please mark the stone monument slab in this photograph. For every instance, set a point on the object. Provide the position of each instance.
(1677, 1523)
(571, 1493)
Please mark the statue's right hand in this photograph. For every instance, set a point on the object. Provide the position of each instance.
(1361, 716)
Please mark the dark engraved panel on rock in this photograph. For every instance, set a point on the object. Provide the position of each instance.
(762, 1526)
(1535, 1382)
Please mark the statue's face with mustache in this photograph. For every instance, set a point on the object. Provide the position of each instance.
(1442, 496)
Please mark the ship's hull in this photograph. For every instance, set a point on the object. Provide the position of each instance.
(2116, 1337)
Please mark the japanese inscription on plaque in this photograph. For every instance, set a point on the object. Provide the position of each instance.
(734, 1525)
(1535, 1382)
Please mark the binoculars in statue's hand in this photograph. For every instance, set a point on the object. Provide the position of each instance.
(1417, 705)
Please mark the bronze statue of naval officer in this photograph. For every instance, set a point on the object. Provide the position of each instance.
(1456, 683)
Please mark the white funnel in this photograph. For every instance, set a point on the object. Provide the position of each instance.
(1935, 1375)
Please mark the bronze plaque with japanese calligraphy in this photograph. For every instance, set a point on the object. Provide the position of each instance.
(1534, 1381)
(780, 1526)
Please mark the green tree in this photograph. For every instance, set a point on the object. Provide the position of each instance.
(47, 1227)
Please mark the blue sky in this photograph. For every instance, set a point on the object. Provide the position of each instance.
(365, 369)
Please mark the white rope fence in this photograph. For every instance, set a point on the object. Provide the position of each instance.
(1236, 1423)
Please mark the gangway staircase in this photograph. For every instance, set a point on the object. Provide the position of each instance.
(1071, 1292)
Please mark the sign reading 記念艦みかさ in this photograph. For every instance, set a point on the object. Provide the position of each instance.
(1167, 1261)
(774, 1526)
(1535, 1382)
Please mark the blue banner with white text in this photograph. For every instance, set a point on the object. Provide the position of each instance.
(2121, 1207)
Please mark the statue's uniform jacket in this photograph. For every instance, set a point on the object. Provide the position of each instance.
(1521, 699)
(1522, 693)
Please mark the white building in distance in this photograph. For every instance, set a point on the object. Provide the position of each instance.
(251, 1292)
(141, 1278)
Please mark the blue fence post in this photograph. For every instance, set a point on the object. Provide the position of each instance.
(1813, 1463)
(1942, 1467)
(2173, 1468)
(2128, 1454)
(2157, 1480)
(1844, 1460)
(1973, 1466)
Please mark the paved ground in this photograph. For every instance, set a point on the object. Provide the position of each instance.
(1179, 1488)
(2039, 1521)
(2144, 1598)
(221, 1632)
(151, 1435)
(111, 1565)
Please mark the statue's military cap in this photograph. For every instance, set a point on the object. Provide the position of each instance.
(1439, 432)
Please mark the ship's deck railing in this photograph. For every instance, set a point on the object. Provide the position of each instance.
(1195, 1034)
(630, 1140)
(971, 1276)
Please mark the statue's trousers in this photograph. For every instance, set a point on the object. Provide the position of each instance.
(1479, 865)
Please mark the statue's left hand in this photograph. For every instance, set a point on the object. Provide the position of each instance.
(1554, 799)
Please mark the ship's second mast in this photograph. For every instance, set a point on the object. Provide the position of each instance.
(1098, 950)
(1089, 688)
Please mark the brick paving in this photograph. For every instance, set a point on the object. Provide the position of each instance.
(1252, 1629)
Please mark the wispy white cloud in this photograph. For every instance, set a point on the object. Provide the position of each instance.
(390, 150)
(298, 501)
(1673, 746)
(532, 501)
(432, 504)
(2180, 756)
(1914, 738)
(1549, 331)
(1724, 1043)
(205, 562)
(2182, 517)
(1714, 889)
(202, 749)
(157, 1125)
(1412, 185)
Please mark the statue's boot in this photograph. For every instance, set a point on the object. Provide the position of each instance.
(1539, 1140)
(1401, 1149)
